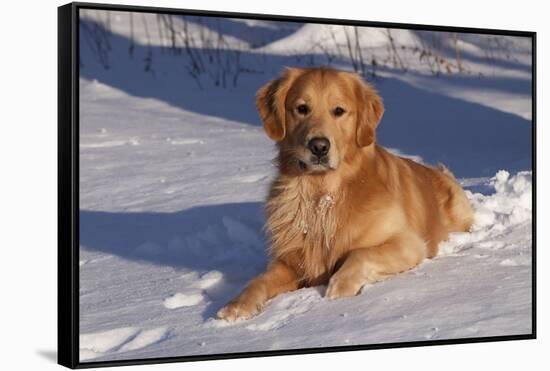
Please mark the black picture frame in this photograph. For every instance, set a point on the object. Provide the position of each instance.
(68, 184)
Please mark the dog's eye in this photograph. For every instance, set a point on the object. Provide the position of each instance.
(303, 109)
(339, 111)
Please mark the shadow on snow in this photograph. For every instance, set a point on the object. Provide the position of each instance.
(200, 238)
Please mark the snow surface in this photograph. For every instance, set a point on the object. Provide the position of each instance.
(145, 29)
(172, 181)
(321, 37)
(183, 300)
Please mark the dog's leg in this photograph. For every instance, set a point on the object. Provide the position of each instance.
(277, 279)
(372, 264)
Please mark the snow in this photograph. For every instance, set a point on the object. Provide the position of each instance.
(91, 344)
(209, 279)
(173, 179)
(145, 30)
(145, 338)
(508, 208)
(507, 95)
(122, 339)
(321, 37)
(183, 300)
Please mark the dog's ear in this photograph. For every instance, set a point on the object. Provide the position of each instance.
(270, 102)
(370, 109)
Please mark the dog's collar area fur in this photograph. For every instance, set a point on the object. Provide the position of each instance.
(325, 203)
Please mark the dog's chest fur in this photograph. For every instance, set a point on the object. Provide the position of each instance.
(302, 220)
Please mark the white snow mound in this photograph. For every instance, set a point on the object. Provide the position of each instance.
(509, 206)
(183, 300)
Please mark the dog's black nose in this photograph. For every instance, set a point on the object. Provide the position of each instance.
(319, 146)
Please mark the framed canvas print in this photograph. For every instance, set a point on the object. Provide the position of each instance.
(238, 185)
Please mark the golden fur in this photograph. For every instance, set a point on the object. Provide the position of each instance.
(361, 215)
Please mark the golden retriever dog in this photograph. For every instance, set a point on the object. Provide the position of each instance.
(342, 211)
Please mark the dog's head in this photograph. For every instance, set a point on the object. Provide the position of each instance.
(318, 116)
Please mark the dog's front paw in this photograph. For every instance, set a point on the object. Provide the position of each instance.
(238, 310)
(341, 286)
